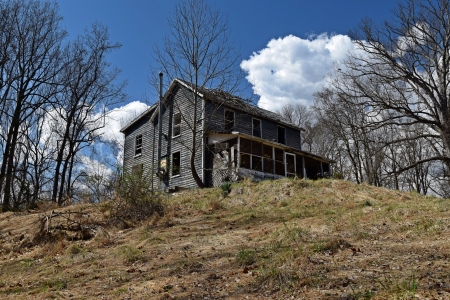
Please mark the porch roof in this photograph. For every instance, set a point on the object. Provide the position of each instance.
(278, 145)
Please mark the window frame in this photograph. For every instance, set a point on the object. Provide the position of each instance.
(260, 127)
(172, 167)
(176, 125)
(138, 143)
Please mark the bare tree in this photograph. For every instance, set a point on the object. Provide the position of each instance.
(29, 62)
(404, 67)
(79, 112)
(302, 116)
(198, 50)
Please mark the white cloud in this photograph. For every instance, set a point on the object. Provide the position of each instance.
(118, 118)
(115, 119)
(292, 69)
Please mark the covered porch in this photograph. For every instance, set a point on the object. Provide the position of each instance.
(231, 157)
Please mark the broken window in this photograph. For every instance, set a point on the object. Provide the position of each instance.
(176, 163)
(281, 135)
(138, 145)
(176, 124)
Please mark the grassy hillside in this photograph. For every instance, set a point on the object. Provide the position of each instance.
(284, 239)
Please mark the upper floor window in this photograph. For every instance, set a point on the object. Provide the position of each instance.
(281, 135)
(138, 145)
(256, 126)
(229, 120)
(176, 124)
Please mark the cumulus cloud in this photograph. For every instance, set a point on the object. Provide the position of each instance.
(292, 69)
(118, 118)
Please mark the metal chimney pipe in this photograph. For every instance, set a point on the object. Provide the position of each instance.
(160, 125)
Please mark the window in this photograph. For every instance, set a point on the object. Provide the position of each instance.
(138, 145)
(176, 163)
(281, 135)
(256, 125)
(176, 124)
(136, 170)
(229, 120)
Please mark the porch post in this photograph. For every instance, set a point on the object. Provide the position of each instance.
(304, 167)
(321, 169)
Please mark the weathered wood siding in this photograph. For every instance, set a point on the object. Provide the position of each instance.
(293, 138)
(146, 128)
(243, 123)
(182, 100)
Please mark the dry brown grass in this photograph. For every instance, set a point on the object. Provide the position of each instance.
(326, 239)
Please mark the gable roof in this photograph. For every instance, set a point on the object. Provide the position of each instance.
(147, 111)
(222, 97)
(238, 103)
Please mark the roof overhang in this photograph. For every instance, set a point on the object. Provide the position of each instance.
(135, 120)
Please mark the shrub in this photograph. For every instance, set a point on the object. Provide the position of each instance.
(246, 257)
(225, 188)
(135, 200)
(130, 254)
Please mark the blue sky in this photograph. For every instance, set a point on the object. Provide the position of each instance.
(139, 24)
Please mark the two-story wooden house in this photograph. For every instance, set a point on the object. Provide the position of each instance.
(234, 139)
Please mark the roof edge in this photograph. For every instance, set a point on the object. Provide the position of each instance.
(135, 120)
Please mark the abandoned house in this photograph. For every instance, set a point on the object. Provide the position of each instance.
(234, 139)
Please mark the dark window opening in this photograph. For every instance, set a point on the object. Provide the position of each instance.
(245, 161)
(256, 127)
(176, 163)
(268, 165)
(176, 124)
(257, 148)
(138, 145)
(299, 166)
(267, 151)
(279, 154)
(279, 168)
(256, 163)
(229, 120)
(281, 135)
(279, 162)
(246, 146)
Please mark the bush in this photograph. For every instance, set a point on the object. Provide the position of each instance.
(135, 200)
(225, 188)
